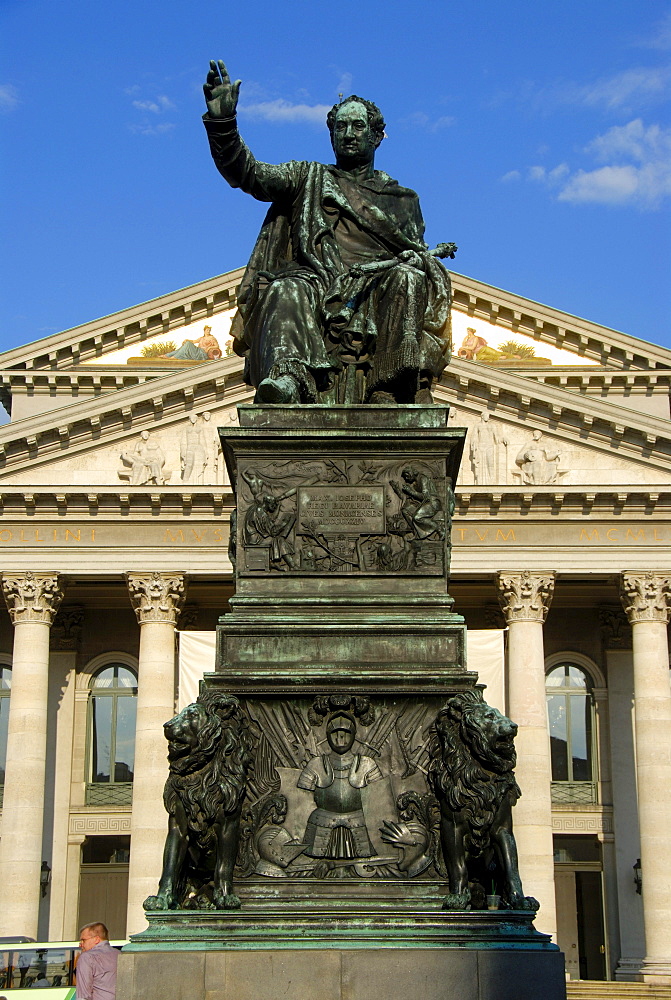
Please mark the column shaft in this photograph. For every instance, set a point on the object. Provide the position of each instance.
(157, 600)
(32, 602)
(647, 601)
(652, 701)
(525, 600)
(532, 816)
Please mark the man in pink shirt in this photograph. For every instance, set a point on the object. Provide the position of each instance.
(96, 966)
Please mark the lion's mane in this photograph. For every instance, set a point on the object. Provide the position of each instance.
(212, 777)
(471, 768)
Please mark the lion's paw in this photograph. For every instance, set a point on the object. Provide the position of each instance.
(519, 902)
(156, 903)
(230, 902)
(457, 901)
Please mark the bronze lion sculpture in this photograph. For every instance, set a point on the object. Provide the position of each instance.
(472, 757)
(210, 757)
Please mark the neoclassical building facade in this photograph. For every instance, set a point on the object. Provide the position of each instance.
(115, 510)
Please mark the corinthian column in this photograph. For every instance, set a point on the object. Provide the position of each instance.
(157, 599)
(525, 599)
(32, 600)
(646, 598)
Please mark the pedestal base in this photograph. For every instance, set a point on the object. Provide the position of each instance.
(356, 953)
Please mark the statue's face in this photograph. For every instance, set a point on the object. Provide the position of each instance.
(340, 740)
(353, 140)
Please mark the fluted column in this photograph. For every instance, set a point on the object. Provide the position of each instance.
(525, 599)
(157, 599)
(646, 598)
(32, 600)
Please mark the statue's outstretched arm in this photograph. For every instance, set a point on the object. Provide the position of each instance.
(234, 161)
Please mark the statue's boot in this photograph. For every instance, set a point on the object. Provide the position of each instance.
(283, 389)
(379, 398)
(424, 397)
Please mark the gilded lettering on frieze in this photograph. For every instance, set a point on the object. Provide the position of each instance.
(343, 516)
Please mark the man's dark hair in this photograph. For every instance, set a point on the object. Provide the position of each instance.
(375, 119)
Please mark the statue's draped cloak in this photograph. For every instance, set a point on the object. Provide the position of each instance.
(298, 240)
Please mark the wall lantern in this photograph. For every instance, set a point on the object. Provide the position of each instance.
(638, 876)
(45, 877)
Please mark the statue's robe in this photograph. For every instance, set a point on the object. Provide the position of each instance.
(298, 303)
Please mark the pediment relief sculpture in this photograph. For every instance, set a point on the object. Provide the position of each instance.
(198, 450)
(145, 463)
(538, 462)
(485, 440)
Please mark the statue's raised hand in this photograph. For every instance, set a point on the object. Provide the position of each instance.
(221, 95)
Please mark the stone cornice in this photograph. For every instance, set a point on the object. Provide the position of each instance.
(82, 382)
(598, 377)
(475, 298)
(129, 326)
(536, 502)
(552, 326)
(111, 416)
(558, 411)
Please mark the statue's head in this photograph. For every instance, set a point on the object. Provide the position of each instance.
(357, 129)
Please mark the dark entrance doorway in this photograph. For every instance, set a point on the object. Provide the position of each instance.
(580, 923)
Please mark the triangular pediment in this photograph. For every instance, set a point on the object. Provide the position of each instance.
(596, 441)
(554, 335)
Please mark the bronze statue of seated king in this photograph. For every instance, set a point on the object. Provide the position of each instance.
(341, 301)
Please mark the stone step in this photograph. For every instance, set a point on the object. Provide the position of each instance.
(582, 989)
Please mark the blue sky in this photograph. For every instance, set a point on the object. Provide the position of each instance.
(538, 136)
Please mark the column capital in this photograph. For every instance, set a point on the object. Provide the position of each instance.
(525, 596)
(156, 597)
(32, 597)
(646, 596)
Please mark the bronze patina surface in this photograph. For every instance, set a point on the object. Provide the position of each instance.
(341, 300)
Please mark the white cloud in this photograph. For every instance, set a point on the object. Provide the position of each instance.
(606, 186)
(144, 128)
(512, 175)
(344, 85)
(281, 112)
(632, 141)
(550, 177)
(157, 107)
(626, 92)
(9, 97)
(661, 39)
(630, 88)
(420, 119)
(636, 170)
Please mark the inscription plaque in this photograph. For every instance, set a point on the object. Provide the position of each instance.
(341, 509)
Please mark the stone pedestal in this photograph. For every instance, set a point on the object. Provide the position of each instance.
(354, 953)
(342, 647)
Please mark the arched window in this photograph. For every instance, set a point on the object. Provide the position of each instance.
(571, 721)
(5, 690)
(112, 708)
